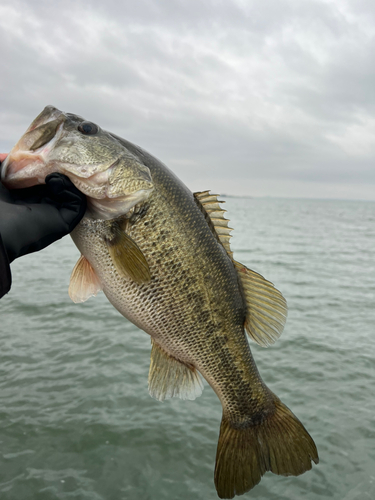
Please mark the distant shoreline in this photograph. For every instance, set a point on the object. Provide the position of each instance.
(292, 198)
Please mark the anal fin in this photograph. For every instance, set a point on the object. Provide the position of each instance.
(83, 281)
(170, 378)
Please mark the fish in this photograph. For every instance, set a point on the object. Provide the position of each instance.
(161, 254)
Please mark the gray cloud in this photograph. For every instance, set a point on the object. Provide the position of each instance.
(261, 98)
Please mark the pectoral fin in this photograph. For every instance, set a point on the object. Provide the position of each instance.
(170, 378)
(127, 256)
(83, 281)
(266, 307)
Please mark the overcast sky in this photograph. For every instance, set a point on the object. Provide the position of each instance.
(247, 97)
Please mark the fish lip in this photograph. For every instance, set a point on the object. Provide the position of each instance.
(7, 177)
(29, 162)
(38, 121)
(10, 175)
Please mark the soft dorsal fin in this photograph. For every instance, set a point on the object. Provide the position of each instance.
(215, 217)
(126, 255)
(266, 307)
(170, 378)
(83, 281)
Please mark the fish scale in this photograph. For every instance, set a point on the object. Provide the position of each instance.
(162, 257)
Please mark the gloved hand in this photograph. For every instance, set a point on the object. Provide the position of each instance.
(33, 218)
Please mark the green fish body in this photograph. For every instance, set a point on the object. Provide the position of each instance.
(162, 257)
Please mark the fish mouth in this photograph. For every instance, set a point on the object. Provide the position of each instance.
(26, 164)
(29, 161)
(42, 150)
(23, 169)
(48, 114)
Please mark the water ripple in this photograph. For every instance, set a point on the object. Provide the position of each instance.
(76, 418)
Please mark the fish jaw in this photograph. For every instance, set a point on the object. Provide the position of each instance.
(48, 114)
(25, 167)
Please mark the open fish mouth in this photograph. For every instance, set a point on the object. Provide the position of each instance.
(23, 169)
(26, 164)
(30, 161)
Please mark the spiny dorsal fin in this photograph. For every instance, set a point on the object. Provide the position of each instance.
(215, 217)
(83, 281)
(170, 378)
(126, 256)
(266, 307)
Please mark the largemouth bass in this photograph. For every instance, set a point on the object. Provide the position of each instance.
(161, 254)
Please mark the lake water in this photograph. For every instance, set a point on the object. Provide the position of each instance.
(76, 420)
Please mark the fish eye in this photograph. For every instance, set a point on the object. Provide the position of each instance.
(88, 128)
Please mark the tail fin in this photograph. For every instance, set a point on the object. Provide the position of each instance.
(279, 444)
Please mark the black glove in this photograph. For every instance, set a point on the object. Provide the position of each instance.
(33, 218)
